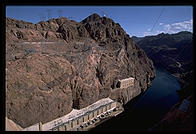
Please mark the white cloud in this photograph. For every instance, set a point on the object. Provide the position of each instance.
(172, 28)
(147, 33)
(160, 31)
(179, 26)
(160, 24)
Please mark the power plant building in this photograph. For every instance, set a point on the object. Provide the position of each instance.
(124, 83)
(76, 118)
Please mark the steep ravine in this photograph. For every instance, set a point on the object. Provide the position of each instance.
(57, 65)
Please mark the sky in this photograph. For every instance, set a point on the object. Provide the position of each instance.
(135, 20)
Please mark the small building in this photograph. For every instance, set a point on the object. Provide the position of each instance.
(124, 83)
(76, 118)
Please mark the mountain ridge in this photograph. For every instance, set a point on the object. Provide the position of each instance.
(57, 65)
(177, 57)
(172, 51)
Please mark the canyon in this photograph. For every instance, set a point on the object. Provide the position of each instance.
(58, 65)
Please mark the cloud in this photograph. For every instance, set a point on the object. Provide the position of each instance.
(171, 28)
(160, 24)
(179, 26)
(147, 33)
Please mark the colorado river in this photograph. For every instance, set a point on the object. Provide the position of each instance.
(148, 108)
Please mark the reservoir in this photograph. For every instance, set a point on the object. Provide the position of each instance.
(148, 108)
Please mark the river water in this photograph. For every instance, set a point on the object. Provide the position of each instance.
(148, 108)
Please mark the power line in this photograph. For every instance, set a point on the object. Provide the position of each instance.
(157, 19)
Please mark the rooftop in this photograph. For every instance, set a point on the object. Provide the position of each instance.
(130, 78)
(75, 113)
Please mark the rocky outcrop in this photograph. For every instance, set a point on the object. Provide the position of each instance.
(57, 65)
(38, 88)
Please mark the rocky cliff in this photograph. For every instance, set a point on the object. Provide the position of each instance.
(60, 64)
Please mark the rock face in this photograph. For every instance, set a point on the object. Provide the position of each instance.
(57, 65)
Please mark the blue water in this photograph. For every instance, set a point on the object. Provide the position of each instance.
(148, 108)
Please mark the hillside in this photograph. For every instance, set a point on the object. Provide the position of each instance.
(171, 51)
(175, 53)
(60, 64)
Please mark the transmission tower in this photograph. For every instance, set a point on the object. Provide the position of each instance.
(70, 17)
(49, 13)
(60, 12)
(42, 17)
(103, 14)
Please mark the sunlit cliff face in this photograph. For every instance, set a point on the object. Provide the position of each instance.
(46, 80)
